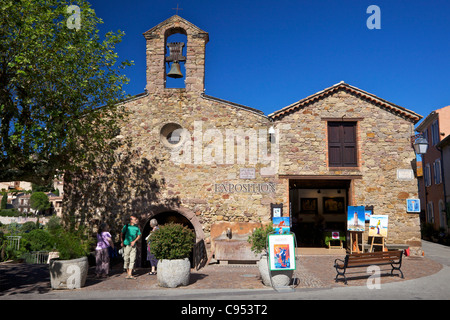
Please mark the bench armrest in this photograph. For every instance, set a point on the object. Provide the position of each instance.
(338, 260)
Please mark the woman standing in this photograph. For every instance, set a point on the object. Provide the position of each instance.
(151, 257)
(104, 241)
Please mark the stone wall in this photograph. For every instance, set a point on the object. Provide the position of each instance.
(196, 184)
(200, 180)
(383, 140)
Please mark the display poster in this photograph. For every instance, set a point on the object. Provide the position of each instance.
(281, 252)
(281, 225)
(413, 205)
(368, 212)
(378, 226)
(356, 218)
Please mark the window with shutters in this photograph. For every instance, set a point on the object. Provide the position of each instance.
(342, 148)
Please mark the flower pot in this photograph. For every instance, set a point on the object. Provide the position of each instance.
(173, 273)
(279, 278)
(68, 274)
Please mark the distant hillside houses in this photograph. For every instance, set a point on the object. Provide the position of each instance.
(19, 193)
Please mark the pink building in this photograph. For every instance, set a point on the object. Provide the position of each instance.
(435, 127)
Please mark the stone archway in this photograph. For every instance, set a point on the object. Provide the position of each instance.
(166, 214)
(186, 213)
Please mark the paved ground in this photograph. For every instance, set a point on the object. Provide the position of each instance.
(314, 272)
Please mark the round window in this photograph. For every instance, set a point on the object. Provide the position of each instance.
(172, 135)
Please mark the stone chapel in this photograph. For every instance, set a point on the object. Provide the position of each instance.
(221, 168)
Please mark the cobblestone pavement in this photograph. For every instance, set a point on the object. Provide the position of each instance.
(312, 272)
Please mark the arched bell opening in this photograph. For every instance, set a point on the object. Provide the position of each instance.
(175, 58)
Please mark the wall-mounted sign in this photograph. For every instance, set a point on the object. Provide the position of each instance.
(247, 173)
(281, 252)
(245, 187)
(276, 210)
(413, 205)
(405, 174)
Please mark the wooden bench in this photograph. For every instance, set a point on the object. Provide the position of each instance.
(360, 260)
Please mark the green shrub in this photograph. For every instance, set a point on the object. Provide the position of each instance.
(39, 240)
(172, 241)
(258, 239)
(9, 212)
(71, 245)
(54, 225)
(29, 226)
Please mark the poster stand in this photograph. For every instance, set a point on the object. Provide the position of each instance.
(354, 241)
(294, 280)
(382, 244)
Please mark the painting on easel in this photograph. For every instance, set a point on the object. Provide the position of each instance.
(378, 226)
(356, 219)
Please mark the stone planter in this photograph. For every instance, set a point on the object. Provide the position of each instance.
(279, 278)
(68, 274)
(173, 273)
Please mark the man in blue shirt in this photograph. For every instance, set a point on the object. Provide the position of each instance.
(129, 236)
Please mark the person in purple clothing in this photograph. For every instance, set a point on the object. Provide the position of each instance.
(104, 241)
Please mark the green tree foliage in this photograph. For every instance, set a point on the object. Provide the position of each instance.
(4, 201)
(39, 201)
(60, 89)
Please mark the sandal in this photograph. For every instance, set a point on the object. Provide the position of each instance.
(130, 277)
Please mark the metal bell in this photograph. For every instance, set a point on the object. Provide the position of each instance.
(175, 71)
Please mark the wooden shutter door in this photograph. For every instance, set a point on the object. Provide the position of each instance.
(342, 144)
(334, 145)
(349, 144)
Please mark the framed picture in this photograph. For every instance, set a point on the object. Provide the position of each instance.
(368, 212)
(281, 225)
(356, 218)
(308, 205)
(276, 210)
(281, 252)
(333, 205)
(413, 205)
(378, 226)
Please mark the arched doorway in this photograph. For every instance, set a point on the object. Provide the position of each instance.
(163, 218)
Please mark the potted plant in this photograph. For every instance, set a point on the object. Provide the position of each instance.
(258, 241)
(171, 245)
(69, 270)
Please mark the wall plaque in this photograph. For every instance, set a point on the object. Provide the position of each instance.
(405, 174)
(247, 173)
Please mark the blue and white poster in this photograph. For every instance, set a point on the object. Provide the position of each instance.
(413, 205)
(356, 218)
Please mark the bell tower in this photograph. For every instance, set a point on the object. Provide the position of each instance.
(164, 59)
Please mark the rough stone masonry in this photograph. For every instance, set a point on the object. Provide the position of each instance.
(161, 124)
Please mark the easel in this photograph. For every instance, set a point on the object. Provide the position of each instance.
(382, 244)
(354, 241)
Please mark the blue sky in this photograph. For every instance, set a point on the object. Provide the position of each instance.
(269, 54)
